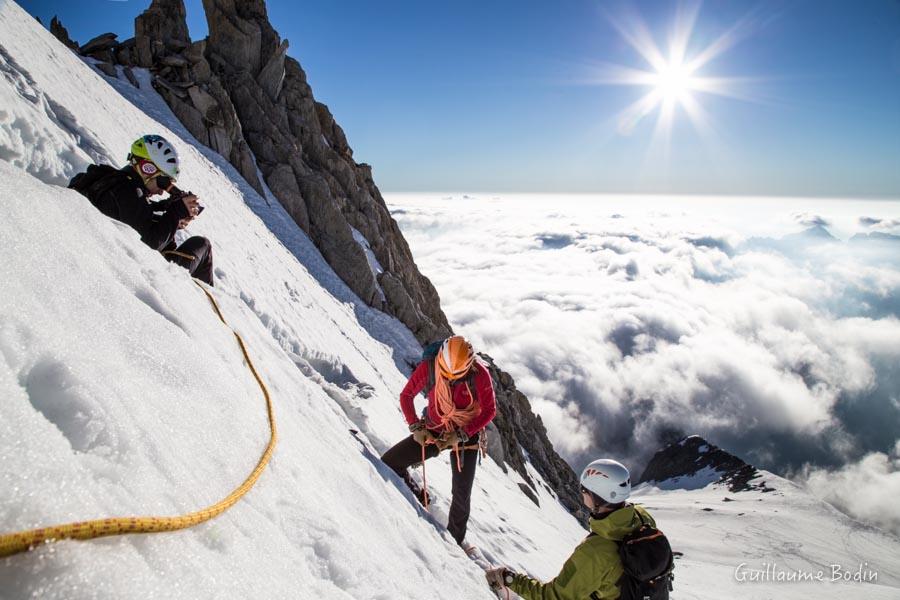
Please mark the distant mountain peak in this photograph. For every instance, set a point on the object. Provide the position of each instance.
(815, 235)
(694, 463)
(818, 232)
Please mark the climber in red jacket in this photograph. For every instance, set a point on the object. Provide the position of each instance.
(461, 403)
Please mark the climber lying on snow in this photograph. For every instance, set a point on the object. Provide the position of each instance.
(461, 403)
(124, 194)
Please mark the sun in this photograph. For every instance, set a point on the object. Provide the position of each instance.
(674, 81)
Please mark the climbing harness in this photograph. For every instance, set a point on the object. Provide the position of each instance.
(21, 541)
(477, 446)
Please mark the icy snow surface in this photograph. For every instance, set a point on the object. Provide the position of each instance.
(121, 393)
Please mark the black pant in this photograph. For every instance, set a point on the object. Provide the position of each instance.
(195, 255)
(408, 452)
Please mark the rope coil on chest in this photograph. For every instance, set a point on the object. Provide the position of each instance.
(450, 416)
(21, 541)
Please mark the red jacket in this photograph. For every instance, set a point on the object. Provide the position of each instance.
(484, 392)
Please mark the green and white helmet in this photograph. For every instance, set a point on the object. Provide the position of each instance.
(157, 150)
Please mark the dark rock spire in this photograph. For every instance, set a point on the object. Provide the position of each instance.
(61, 33)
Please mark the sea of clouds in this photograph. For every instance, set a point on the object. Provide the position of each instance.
(761, 324)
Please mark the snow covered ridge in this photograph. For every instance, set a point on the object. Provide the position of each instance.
(749, 533)
(762, 545)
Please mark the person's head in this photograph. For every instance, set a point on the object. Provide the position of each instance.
(455, 357)
(605, 485)
(156, 161)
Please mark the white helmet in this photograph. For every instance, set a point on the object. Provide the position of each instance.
(608, 479)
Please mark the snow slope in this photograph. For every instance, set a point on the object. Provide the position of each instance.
(121, 393)
(750, 544)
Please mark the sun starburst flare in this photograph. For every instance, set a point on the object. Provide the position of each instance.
(674, 80)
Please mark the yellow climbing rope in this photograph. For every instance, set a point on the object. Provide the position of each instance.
(13, 543)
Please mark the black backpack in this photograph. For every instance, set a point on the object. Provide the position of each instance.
(95, 182)
(647, 562)
(429, 353)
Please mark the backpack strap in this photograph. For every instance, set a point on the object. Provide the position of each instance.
(470, 384)
(429, 384)
(640, 518)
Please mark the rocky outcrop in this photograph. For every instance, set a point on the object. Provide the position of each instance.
(160, 33)
(62, 34)
(239, 93)
(100, 44)
(693, 462)
(305, 159)
(184, 78)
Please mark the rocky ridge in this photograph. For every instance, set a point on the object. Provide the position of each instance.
(692, 458)
(240, 94)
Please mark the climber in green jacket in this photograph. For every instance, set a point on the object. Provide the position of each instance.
(594, 569)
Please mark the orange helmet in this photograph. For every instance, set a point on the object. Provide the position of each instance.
(455, 357)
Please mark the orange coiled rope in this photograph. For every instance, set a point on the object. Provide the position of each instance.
(13, 543)
(452, 417)
(449, 415)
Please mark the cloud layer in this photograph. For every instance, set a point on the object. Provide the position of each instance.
(628, 322)
(868, 488)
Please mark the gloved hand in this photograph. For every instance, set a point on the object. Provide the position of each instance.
(421, 434)
(496, 578)
(451, 438)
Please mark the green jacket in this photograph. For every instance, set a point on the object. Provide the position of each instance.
(595, 564)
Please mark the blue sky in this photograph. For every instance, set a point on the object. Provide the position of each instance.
(497, 96)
